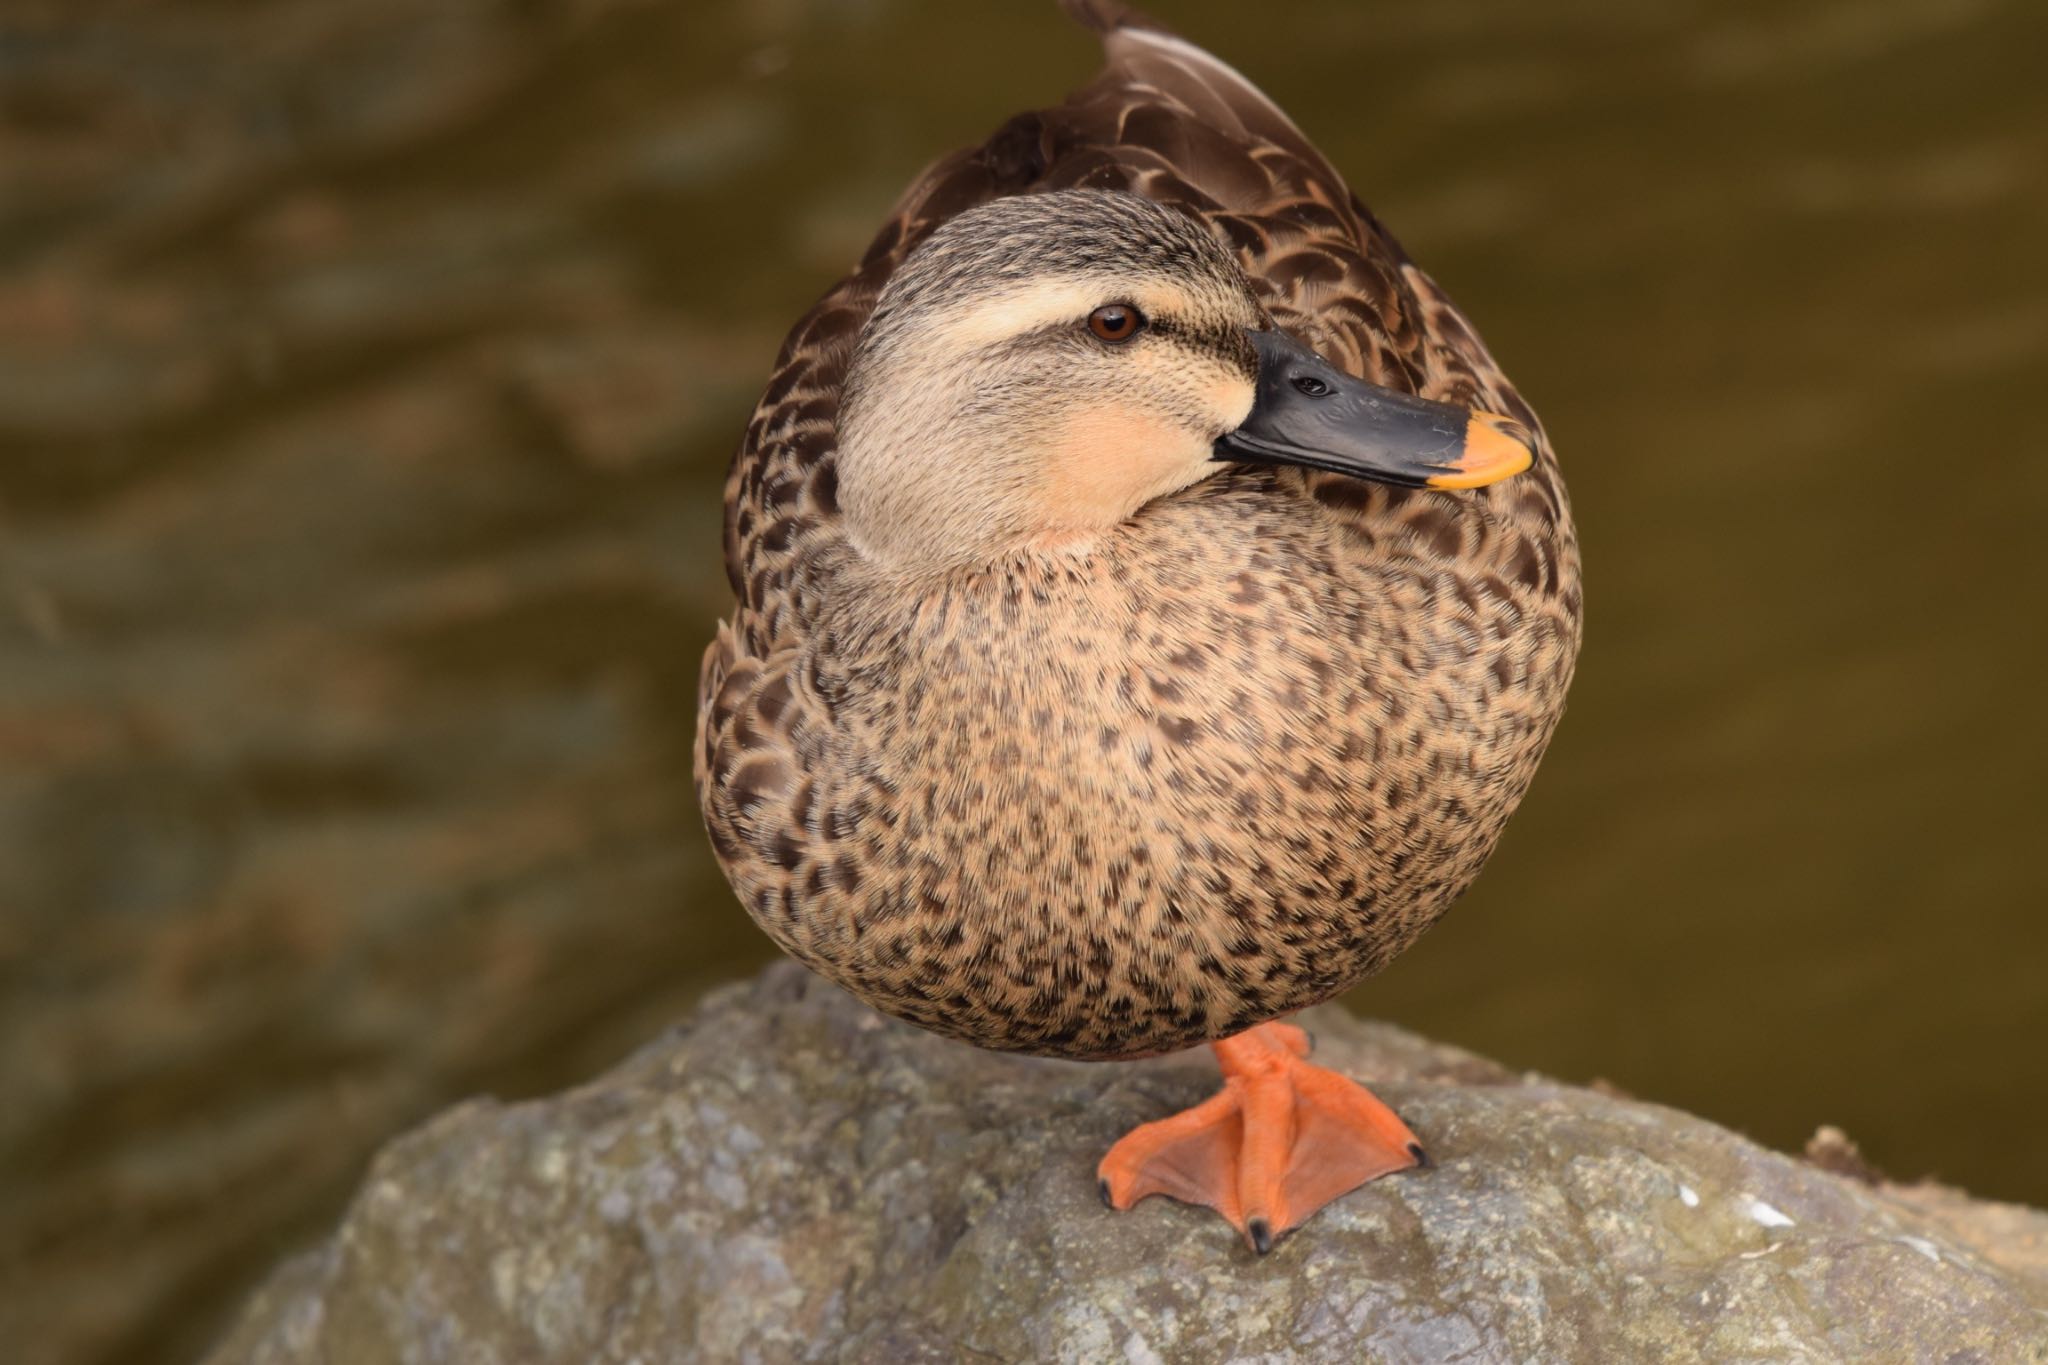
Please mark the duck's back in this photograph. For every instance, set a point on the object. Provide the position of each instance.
(1463, 610)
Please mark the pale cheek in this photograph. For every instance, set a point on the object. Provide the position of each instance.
(1109, 463)
(1231, 397)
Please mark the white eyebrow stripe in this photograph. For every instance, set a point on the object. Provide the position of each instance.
(1043, 304)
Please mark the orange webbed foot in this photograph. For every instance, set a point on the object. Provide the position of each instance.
(1280, 1140)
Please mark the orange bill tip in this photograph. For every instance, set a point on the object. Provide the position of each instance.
(1495, 448)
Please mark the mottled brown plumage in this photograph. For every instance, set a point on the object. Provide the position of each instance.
(1218, 766)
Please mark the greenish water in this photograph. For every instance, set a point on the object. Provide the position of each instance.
(367, 382)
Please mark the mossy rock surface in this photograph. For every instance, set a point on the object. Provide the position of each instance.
(790, 1177)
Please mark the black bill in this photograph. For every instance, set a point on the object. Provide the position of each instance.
(1310, 413)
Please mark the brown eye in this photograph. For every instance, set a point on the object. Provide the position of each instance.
(1116, 322)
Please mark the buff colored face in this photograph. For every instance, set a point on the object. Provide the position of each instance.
(1067, 404)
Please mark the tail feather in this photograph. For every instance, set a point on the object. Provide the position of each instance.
(1104, 16)
(1141, 51)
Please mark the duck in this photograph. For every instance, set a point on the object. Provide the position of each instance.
(1151, 601)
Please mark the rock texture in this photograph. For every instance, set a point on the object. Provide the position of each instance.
(790, 1177)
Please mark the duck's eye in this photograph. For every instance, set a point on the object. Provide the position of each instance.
(1116, 322)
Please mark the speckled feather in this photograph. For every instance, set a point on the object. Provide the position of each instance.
(1218, 770)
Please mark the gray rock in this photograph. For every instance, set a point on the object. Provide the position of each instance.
(790, 1177)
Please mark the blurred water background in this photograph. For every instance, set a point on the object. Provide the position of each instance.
(367, 378)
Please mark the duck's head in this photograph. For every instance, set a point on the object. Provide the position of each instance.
(1043, 366)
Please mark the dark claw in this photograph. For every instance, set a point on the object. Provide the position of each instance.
(1102, 1188)
(1262, 1235)
(1421, 1157)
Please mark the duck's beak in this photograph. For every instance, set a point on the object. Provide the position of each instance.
(1308, 412)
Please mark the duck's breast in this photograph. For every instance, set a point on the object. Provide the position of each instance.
(1216, 771)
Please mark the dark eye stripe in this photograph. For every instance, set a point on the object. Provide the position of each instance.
(1226, 343)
